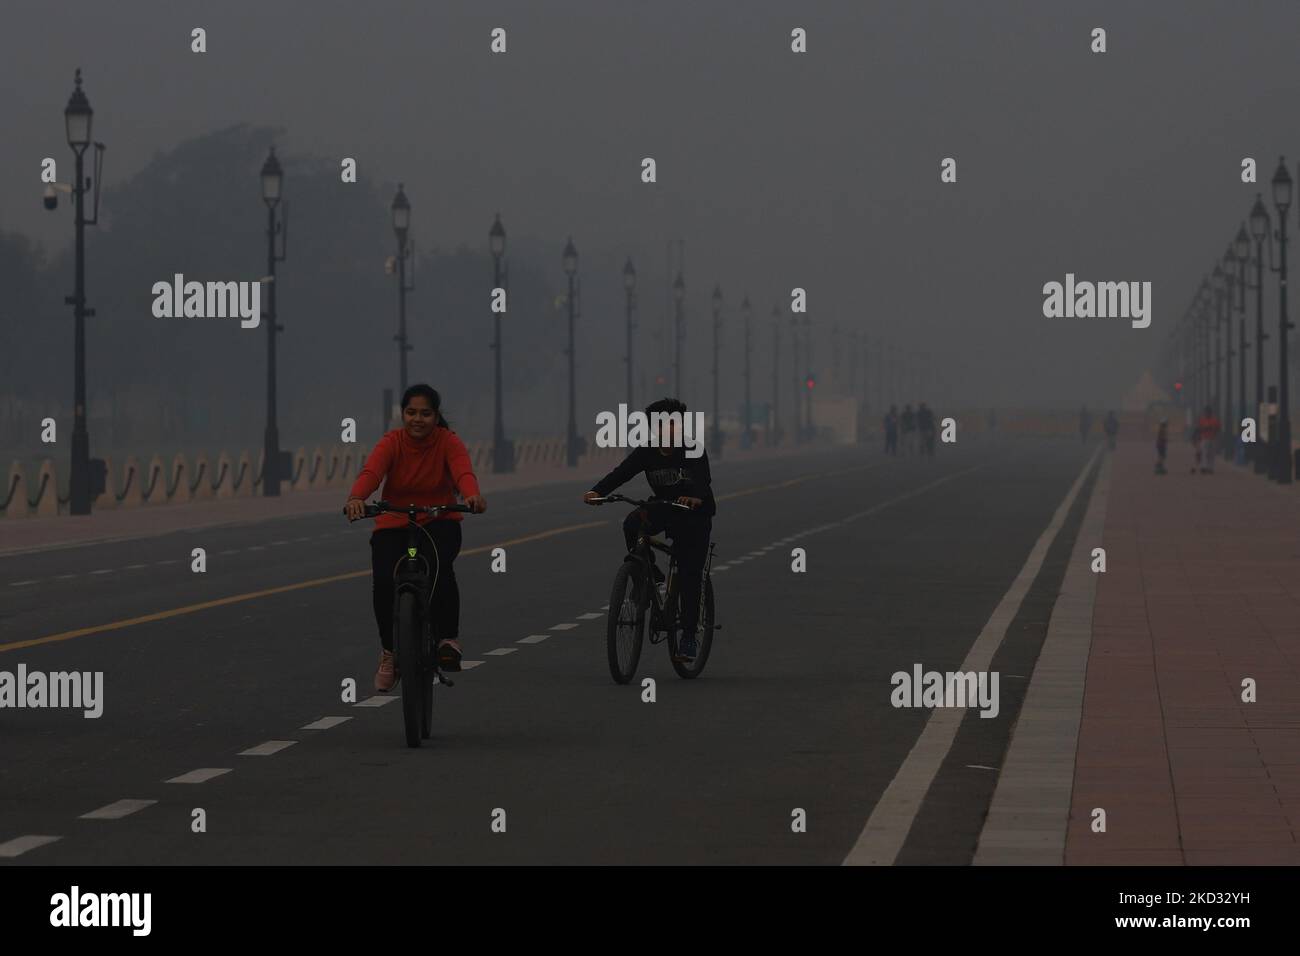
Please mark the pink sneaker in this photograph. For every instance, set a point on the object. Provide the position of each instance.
(386, 675)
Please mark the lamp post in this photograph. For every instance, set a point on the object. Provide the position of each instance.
(1241, 252)
(746, 313)
(1227, 439)
(716, 439)
(629, 286)
(503, 452)
(272, 189)
(799, 379)
(78, 118)
(1217, 284)
(679, 331)
(1282, 449)
(570, 261)
(401, 228)
(1259, 230)
(773, 419)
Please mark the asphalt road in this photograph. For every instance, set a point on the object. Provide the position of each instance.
(906, 560)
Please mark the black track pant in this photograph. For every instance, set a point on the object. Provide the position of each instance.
(690, 536)
(388, 546)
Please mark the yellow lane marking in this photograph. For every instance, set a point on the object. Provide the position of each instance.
(283, 589)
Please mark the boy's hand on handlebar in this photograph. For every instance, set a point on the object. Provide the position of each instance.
(590, 498)
(477, 504)
(690, 502)
(355, 509)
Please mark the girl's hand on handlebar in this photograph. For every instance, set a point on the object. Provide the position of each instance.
(590, 498)
(477, 504)
(690, 502)
(355, 508)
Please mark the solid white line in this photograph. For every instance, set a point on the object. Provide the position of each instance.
(979, 766)
(886, 829)
(377, 701)
(533, 639)
(118, 810)
(20, 845)
(567, 626)
(325, 723)
(470, 665)
(589, 617)
(267, 748)
(199, 776)
(499, 652)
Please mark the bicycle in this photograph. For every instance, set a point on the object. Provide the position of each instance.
(634, 594)
(413, 638)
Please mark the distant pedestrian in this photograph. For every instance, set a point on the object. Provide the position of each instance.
(1111, 426)
(909, 430)
(891, 431)
(1162, 446)
(925, 423)
(1208, 429)
(1085, 423)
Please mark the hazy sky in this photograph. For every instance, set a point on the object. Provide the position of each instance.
(818, 170)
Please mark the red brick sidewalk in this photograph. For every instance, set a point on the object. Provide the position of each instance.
(1202, 590)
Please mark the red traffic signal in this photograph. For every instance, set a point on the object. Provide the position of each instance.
(1178, 386)
(810, 383)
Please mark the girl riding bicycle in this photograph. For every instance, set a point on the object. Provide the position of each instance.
(423, 463)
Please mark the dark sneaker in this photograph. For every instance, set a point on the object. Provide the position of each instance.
(686, 650)
(449, 656)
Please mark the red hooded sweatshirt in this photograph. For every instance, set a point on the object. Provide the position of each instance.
(426, 472)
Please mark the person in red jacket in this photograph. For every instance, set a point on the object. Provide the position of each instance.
(1208, 428)
(423, 463)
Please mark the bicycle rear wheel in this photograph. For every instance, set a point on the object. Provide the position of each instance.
(703, 637)
(410, 664)
(625, 629)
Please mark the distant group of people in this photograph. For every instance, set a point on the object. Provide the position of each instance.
(1204, 433)
(916, 428)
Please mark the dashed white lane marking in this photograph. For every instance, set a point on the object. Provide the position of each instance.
(500, 652)
(533, 639)
(302, 539)
(133, 567)
(325, 723)
(566, 626)
(980, 766)
(604, 607)
(267, 748)
(103, 571)
(230, 551)
(201, 775)
(64, 577)
(277, 543)
(470, 665)
(20, 845)
(589, 617)
(168, 561)
(377, 701)
(19, 584)
(117, 810)
(256, 547)
(721, 567)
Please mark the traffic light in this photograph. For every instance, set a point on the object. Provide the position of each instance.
(810, 382)
(1178, 392)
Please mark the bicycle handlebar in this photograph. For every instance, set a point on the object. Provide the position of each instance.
(375, 509)
(639, 503)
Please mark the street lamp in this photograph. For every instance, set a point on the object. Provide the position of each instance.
(273, 469)
(1282, 458)
(1259, 230)
(570, 260)
(629, 286)
(87, 478)
(401, 210)
(1228, 438)
(746, 313)
(1217, 284)
(1240, 254)
(716, 440)
(773, 421)
(503, 452)
(679, 330)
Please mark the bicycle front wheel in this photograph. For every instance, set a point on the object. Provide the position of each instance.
(625, 629)
(410, 664)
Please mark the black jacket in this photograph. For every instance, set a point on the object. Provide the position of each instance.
(670, 476)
